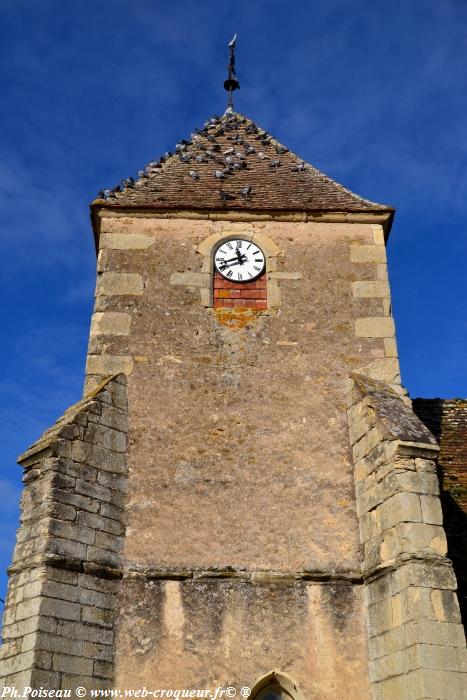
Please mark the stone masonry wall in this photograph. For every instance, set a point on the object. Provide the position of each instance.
(447, 420)
(239, 455)
(60, 607)
(416, 642)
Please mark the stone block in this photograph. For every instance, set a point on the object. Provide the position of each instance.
(94, 491)
(110, 323)
(113, 481)
(81, 502)
(448, 634)
(106, 541)
(357, 429)
(403, 507)
(374, 327)
(445, 605)
(119, 283)
(66, 548)
(429, 575)
(378, 234)
(62, 511)
(431, 510)
(72, 531)
(63, 591)
(385, 369)
(98, 652)
(370, 289)
(88, 596)
(409, 538)
(107, 437)
(366, 444)
(434, 683)
(108, 510)
(367, 253)
(379, 617)
(438, 657)
(86, 633)
(103, 669)
(13, 630)
(65, 610)
(97, 616)
(72, 664)
(103, 557)
(390, 347)
(109, 364)
(125, 241)
(20, 662)
(98, 522)
(27, 608)
(394, 664)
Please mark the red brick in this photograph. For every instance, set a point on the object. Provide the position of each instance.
(261, 304)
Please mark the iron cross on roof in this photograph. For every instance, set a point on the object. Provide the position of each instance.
(231, 83)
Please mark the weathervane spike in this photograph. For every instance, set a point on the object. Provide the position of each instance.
(231, 83)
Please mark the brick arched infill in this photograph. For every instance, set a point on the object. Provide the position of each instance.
(246, 295)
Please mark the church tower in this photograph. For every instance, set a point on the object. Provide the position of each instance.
(244, 497)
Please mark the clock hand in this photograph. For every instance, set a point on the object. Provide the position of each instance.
(236, 262)
(230, 259)
(240, 256)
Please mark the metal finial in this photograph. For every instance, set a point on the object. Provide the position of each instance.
(231, 83)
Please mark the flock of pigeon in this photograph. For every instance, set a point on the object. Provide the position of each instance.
(203, 148)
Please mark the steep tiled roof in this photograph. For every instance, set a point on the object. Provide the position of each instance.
(233, 163)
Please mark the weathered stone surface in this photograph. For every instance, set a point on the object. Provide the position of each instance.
(109, 364)
(125, 241)
(119, 283)
(368, 253)
(110, 323)
(374, 327)
(370, 288)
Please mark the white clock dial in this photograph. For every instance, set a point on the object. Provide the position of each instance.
(239, 260)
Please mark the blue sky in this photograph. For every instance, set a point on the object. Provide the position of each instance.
(372, 92)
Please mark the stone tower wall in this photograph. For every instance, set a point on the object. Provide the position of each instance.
(242, 531)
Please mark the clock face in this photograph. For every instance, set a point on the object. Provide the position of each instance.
(239, 260)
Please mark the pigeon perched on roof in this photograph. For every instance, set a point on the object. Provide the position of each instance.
(194, 175)
(300, 167)
(246, 192)
(219, 174)
(225, 195)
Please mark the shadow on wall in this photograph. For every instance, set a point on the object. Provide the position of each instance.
(447, 420)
